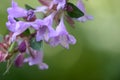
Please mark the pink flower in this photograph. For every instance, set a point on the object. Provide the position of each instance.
(2, 56)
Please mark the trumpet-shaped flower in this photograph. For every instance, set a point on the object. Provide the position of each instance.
(62, 36)
(16, 27)
(36, 59)
(44, 28)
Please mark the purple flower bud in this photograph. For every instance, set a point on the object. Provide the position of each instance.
(19, 60)
(22, 47)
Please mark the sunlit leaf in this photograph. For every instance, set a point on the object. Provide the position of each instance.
(28, 7)
(26, 33)
(12, 46)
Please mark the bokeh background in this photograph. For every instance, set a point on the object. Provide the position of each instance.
(95, 56)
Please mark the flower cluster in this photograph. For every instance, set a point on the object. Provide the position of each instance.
(30, 27)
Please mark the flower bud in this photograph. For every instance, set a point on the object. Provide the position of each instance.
(22, 47)
(19, 60)
(2, 56)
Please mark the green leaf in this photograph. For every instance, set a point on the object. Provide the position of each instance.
(28, 7)
(36, 45)
(26, 33)
(12, 47)
(75, 12)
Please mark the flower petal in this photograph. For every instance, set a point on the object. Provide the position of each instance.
(86, 17)
(20, 27)
(16, 11)
(36, 59)
(43, 66)
(41, 9)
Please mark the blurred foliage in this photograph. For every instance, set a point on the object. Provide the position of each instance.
(96, 55)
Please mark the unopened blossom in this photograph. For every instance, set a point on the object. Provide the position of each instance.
(44, 28)
(62, 36)
(3, 56)
(86, 17)
(36, 59)
(22, 47)
(19, 60)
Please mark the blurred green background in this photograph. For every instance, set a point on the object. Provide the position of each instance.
(95, 56)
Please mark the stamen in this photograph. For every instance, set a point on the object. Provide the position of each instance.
(30, 16)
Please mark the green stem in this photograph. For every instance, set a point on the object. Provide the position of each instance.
(12, 46)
